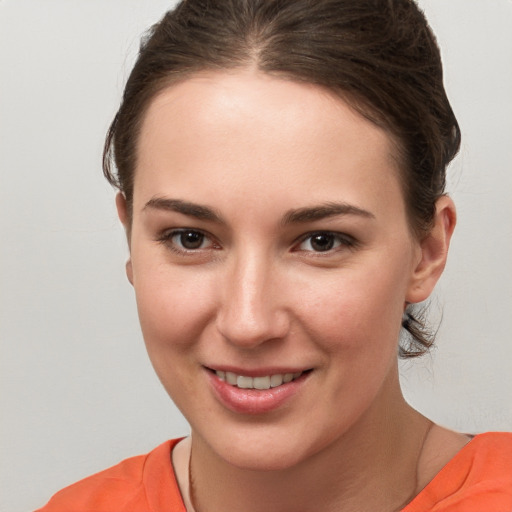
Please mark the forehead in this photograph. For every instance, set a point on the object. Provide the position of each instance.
(253, 131)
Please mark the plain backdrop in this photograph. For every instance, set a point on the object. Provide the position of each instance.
(78, 393)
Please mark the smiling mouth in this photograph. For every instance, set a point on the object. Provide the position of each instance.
(260, 383)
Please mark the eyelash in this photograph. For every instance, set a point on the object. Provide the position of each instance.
(338, 240)
(166, 238)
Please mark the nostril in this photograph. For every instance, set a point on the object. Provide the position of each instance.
(250, 325)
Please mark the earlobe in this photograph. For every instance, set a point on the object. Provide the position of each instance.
(433, 252)
(129, 271)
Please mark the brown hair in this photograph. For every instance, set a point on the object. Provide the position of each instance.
(379, 55)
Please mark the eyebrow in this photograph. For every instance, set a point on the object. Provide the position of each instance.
(295, 216)
(185, 207)
(323, 211)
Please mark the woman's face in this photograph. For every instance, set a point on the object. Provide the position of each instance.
(269, 241)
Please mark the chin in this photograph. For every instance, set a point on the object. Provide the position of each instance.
(262, 460)
(266, 450)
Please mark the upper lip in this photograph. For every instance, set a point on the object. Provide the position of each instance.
(258, 372)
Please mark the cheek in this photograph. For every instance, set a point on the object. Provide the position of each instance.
(356, 326)
(174, 313)
(354, 310)
(174, 306)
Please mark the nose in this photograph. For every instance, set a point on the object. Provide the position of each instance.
(252, 309)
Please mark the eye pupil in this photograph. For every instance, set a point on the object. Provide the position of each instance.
(191, 239)
(322, 242)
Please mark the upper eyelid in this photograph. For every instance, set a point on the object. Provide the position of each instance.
(348, 242)
(174, 231)
(343, 236)
(169, 233)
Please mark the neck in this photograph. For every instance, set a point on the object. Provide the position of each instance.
(373, 466)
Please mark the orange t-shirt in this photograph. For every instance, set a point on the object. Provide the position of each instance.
(477, 479)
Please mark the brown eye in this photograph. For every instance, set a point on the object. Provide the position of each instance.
(189, 240)
(322, 242)
(325, 241)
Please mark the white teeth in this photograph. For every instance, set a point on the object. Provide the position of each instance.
(276, 380)
(261, 382)
(231, 378)
(266, 382)
(244, 382)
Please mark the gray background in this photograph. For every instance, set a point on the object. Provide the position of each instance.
(77, 391)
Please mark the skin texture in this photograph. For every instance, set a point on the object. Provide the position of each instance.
(256, 296)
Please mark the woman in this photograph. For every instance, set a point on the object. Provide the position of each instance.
(281, 171)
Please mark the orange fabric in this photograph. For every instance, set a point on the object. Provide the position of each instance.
(145, 483)
(477, 479)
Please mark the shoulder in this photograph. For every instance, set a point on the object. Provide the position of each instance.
(477, 478)
(492, 446)
(139, 483)
(489, 459)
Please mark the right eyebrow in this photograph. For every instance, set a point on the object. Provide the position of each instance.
(323, 211)
(184, 207)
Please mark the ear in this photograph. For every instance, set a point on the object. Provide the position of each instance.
(433, 252)
(122, 213)
(122, 209)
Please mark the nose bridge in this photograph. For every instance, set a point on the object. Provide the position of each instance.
(252, 311)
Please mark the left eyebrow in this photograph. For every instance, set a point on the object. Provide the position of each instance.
(184, 207)
(323, 211)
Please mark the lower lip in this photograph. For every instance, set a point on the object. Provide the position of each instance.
(253, 401)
